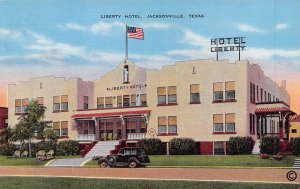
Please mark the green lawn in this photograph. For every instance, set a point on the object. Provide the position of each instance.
(218, 161)
(10, 161)
(81, 183)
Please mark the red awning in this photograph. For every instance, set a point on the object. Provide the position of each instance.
(272, 110)
(111, 114)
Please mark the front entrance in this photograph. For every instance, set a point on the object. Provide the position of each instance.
(115, 129)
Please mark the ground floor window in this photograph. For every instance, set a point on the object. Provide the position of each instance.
(294, 130)
(219, 148)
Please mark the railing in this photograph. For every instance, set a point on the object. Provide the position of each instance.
(86, 137)
(136, 136)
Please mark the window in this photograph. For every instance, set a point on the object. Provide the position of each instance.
(64, 102)
(161, 95)
(109, 102)
(218, 122)
(40, 100)
(126, 74)
(257, 93)
(230, 122)
(56, 103)
(261, 94)
(133, 100)
(143, 99)
(252, 123)
(172, 99)
(100, 102)
(219, 148)
(218, 91)
(18, 109)
(294, 130)
(252, 93)
(230, 90)
(194, 93)
(265, 96)
(85, 102)
(126, 101)
(56, 128)
(172, 124)
(25, 103)
(131, 126)
(162, 125)
(64, 128)
(119, 101)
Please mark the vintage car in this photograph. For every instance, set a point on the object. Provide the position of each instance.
(126, 157)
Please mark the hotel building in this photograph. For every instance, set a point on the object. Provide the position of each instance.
(207, 100)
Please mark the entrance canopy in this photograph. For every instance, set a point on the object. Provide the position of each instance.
(111, 114)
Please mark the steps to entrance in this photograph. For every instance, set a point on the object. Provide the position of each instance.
(256, 149)
(296, 164)
(102, 148)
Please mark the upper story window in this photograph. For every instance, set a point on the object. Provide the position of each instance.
(18, 106)
(218, 91)
(172, 97)
(261, 95)
(194, 93)
(85, 102)
(172, 124)
(230, 122)
(109, 102)
(230, 90)
(162, 125)
(56, 128)
(252, 93)
(40, 100)
(218, 123)
(25, 103)
(133, 100)
(257, 93)
(64, 102)
(119, 101)
(64, 128)
(126, 101)
(100, 102)
(143, 99)
(126, 74)
(161, 95)
(56, 103)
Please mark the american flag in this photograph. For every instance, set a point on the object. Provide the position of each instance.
(133, 32)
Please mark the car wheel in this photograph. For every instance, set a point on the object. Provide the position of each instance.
(111, 160)
(103, 164)
(132, 164)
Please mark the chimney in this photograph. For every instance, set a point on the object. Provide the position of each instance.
(283, 84)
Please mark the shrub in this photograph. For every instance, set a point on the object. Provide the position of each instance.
(151, 146)
(181, 146)
(269, 145)
(7, 149)
(239, 145)
(295, 144)
(67, 148)
(25, 147)
(45, 145)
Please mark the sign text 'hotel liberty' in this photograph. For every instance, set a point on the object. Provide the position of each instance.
(228, 44)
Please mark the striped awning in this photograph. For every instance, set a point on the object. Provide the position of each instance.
(273, 110)
(111, 114)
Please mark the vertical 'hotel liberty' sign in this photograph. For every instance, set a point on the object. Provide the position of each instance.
(228, 44)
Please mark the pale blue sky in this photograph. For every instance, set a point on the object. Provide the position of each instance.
(69, 38)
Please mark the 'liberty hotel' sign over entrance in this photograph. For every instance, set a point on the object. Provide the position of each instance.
(228, 44)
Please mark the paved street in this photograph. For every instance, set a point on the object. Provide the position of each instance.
(252, 175)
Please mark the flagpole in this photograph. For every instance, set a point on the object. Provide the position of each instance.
(126, 44)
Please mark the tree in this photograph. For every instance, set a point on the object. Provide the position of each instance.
(31, 125)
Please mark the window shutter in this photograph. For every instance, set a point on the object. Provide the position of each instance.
(195, 88)
(172, 120)
(100, 100)
(143, 97)
(218, 87)
(230, 118)
(56, 100)
(133, 98)
(172, 90)
(161, 91)
(17, 102)
(56, 125)
(218, 118)
(119, 99)
(230, 86)
(25, 102)
(162, 121)
(64, 124)
(64, 98)
(108, 100)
